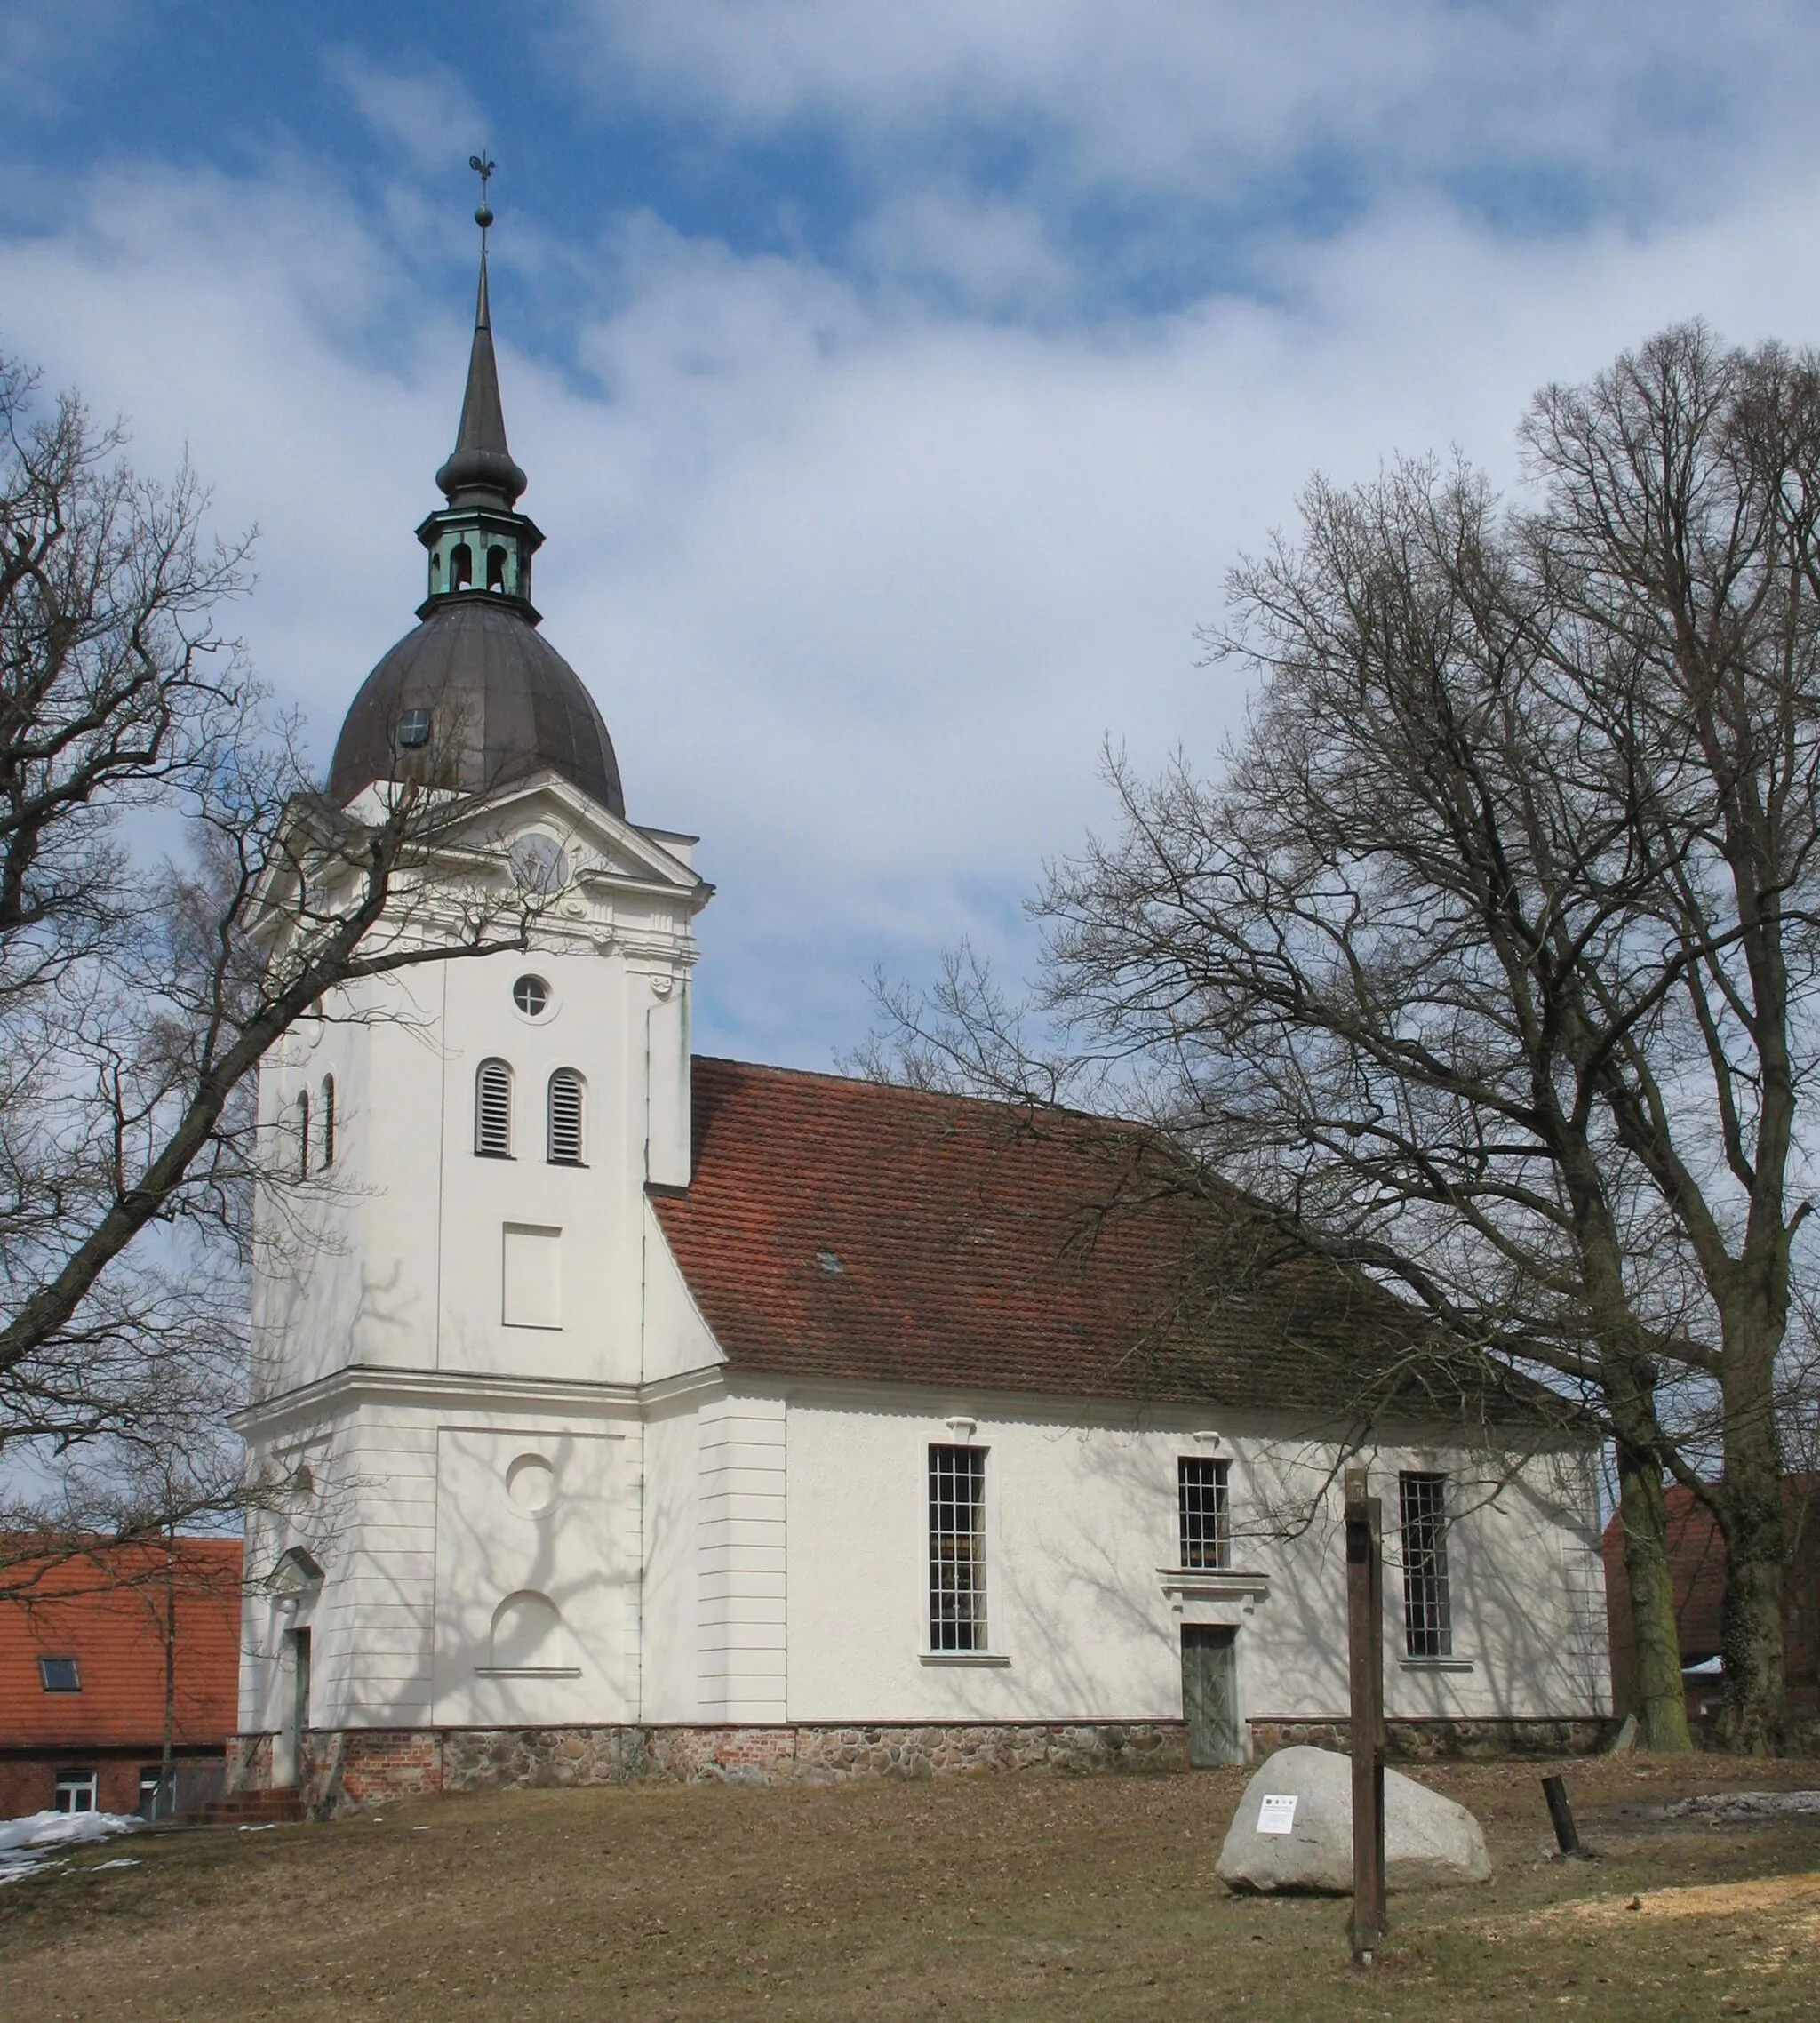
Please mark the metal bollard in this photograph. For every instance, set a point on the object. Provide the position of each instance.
(1566, 1835)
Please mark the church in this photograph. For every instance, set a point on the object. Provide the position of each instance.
(643, 1414)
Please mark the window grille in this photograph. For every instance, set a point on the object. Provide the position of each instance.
(303, 1135)
(328, 1121)
(1428, 1630)
(957, 1548)
(1201, 1497)
(60, 1675)
(565, 1118)
(492, 1110)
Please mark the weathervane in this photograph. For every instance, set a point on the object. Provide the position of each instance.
(482, 165)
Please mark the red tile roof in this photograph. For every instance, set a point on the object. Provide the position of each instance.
(105, 1609)
(839, 1229)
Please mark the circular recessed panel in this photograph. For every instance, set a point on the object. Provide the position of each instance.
(531, 996)
(541, 865)
(531, 1481)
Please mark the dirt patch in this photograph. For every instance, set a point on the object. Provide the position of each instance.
(1794, 1894)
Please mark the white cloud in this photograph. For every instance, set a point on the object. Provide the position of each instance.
(860, 590)
(1207, 96)
(426, 114)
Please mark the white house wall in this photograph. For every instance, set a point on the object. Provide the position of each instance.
(1081, 1521)
(749, 1559)
(670, 1525)
(550, 1515)
(742, 1564)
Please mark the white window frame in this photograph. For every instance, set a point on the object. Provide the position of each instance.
(77, 1791)
(983, 1651)
(1222, 1473)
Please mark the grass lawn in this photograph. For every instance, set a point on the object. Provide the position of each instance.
(990, 1898)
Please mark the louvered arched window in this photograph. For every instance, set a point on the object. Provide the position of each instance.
(492, 1110)
(303, 1134)
(565, 1118)
(328, 1126)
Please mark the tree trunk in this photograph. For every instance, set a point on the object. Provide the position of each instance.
(1662, 1705)
(1749, 1509)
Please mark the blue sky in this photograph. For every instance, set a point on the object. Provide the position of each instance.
(896, 383)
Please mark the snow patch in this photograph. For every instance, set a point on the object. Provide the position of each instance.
(26, 1845)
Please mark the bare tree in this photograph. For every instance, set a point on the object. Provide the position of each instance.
(174, 897)
(1487, 965)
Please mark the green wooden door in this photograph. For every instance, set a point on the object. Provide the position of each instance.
(1210, 1695)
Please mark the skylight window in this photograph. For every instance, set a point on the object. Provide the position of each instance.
(60, 1675)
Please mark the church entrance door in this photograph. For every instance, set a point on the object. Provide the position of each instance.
(1210, 1695)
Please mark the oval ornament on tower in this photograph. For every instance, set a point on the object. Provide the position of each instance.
(530, 1482)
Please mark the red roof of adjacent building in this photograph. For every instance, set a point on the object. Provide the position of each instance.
(1696, 1557)
(104, 1606)
(849, 1229)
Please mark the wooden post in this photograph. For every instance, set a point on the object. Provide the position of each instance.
(1365, 1650)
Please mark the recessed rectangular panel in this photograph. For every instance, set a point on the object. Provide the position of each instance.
(533, 1276)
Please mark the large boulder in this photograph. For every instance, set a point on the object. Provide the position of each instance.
(1429, 1842)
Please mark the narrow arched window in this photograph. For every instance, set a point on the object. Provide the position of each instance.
(492, 1110)
(565, 1118)
(303, 1135)
(460, 566)
(496, 569)
(328, 1101)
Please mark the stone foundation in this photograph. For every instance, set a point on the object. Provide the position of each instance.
(1419, 1741)
(343, 1770)
(346, 1769)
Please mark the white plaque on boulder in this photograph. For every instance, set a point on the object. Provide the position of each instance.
(1277, 1814)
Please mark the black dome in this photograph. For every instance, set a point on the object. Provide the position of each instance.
(503, 703)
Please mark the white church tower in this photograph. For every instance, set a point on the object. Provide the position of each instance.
(457, 1316)
(800, 1437)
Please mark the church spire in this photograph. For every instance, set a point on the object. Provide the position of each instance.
(478, 543)
(481, 463)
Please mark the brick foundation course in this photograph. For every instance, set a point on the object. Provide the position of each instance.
(345, 1770)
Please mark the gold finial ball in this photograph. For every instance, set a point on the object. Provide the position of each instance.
(484, 217)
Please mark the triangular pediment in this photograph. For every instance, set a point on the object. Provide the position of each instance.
(598, 845)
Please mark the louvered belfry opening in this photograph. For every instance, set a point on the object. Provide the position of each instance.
(565, 1118)
(492, 1110)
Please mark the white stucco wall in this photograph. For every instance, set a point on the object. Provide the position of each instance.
(396, 1255)
(1081, 1520)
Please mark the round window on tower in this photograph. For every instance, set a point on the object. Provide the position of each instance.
(413, 729)
(531, 996)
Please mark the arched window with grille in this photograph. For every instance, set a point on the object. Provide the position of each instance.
(328, 1121)
(565, 1118)
(303, 1134)
(492, 1110)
